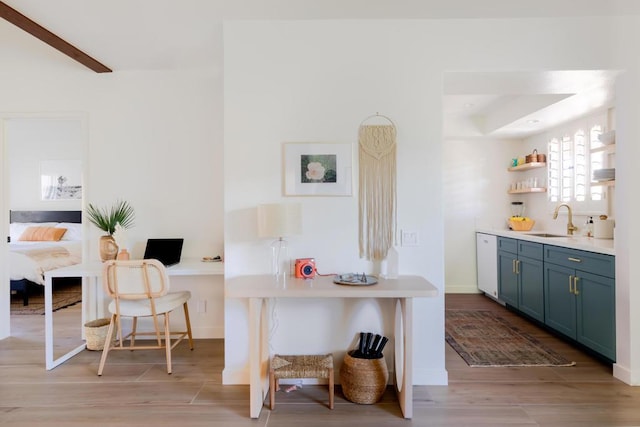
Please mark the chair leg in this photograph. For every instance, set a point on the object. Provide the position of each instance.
(188, 323)
(272, 389)
(119, 335)
(331, 387)
(107, 345)
(167, 341)
(157, 329)
(134, 328)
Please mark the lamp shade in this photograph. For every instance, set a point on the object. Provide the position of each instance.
(279, 219)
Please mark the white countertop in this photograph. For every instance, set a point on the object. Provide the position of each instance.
(591, 244)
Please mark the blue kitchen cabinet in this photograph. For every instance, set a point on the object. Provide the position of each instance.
(579, 297)
(507, 278)
(521, 276)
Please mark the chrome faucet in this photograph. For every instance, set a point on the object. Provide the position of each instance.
(570, 227)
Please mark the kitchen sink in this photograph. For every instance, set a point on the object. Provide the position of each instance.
(546, 235)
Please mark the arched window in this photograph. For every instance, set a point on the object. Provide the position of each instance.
(573, 154)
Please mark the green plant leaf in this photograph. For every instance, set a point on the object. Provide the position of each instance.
(106, 219)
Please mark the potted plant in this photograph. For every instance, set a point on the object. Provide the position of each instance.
(106, 220)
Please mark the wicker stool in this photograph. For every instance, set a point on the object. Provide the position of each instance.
(305, 366)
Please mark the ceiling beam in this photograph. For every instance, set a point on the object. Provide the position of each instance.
(36, 30)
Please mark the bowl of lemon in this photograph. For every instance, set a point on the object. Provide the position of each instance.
(521, 223)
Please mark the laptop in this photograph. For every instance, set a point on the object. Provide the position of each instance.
(167, 251)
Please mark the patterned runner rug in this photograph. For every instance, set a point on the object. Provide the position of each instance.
(484, 339)
(64, 295)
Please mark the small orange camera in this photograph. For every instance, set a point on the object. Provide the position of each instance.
(305, 268)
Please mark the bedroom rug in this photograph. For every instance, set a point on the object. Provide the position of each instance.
(484, 339)
(64, 295)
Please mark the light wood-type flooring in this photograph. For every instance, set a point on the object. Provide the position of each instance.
(135, 389)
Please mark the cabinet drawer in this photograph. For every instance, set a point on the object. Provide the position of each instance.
(603, 265)
(508, 245)
(530, 249)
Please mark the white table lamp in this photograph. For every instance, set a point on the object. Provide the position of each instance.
(279, 220)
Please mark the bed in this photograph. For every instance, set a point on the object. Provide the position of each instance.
(40, 241)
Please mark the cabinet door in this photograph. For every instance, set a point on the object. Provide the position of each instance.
(559, 301)
(507, 278)
(531, 292)
(596, 313)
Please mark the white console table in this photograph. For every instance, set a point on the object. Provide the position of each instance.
(92, 272)
(257, 289)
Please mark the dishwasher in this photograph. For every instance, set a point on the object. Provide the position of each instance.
(487, 263)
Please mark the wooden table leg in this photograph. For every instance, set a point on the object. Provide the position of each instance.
(404, 355)
(255, 355)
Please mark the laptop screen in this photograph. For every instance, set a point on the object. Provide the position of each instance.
(167, 251)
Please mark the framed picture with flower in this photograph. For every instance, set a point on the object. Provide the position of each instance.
(317, 169)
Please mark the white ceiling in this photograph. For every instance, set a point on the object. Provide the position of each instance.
(519, 104)
(157, 34)
(167, 34)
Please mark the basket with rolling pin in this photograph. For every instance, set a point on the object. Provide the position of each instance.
(364, 373)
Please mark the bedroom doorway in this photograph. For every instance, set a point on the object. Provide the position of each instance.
(44, 165)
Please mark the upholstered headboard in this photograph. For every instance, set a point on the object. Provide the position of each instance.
(45, 216)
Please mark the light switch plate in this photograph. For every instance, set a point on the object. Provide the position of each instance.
(409, 238)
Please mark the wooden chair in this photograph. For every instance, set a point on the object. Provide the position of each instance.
(140, 288)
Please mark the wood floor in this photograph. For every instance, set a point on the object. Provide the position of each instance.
(136, 391)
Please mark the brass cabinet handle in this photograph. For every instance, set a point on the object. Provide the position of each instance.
(575, 285)
(570, 284)
(513, 266)
(517, 266)
(574, 259)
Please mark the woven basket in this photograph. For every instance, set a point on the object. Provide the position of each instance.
(363, 380)
(535, 157)
(95, 333)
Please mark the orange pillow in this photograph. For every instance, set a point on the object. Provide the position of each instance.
(41, 234)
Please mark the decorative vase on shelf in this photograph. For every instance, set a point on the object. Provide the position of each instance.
(108, 248)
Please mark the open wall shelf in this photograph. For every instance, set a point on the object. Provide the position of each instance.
(527, 166)
(529, 190)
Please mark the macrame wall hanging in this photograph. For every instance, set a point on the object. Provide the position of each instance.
(377, 180)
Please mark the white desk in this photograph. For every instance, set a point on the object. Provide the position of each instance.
(92, 271)
(259, 288)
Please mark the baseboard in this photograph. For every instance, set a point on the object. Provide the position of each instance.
(625, 375)
(461, 289)
(235, 376)
(207, 332)
(430, 376)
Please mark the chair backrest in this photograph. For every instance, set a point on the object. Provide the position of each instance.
(135, 279)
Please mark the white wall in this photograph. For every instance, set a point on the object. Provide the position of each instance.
(155, 139)
(30, 141)
(475, 196)
(315, 81)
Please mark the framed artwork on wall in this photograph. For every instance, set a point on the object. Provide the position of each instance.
(61, 179)
(317, 169)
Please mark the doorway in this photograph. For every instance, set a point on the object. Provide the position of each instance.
(35, 148)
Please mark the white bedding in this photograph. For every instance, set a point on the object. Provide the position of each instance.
(29, 260)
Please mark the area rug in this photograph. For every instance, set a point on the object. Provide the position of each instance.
(64, 295)
(484, 339)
